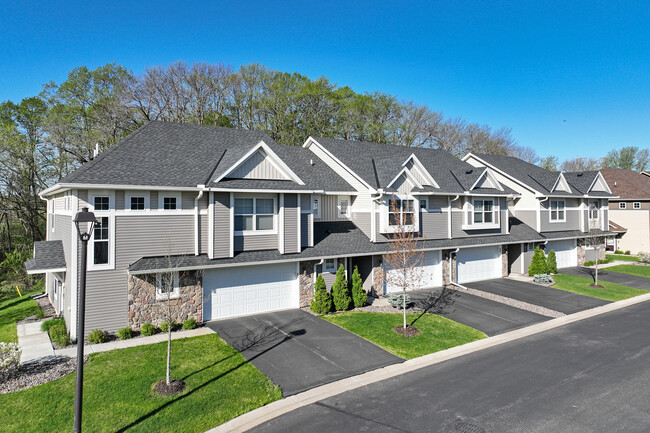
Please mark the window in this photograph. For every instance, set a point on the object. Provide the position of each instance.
(343, 207)
(254, 214)
(556, 208)
(100, 241)
(169, 203)
(101, 203)
(636, 205)
(330, 265)
(593, 210)
(167, 285)
(485, 212)
(137, 203)
(316, 207)
(622, 205)
(400, 211)
(423, 204)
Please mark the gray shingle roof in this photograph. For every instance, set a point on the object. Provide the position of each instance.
(48, 255)
(186, 155)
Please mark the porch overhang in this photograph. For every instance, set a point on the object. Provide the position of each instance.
(48, 257)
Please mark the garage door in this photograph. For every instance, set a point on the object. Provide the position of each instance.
(475, 264)
(566, 252)
(249, 289)
(431, 273)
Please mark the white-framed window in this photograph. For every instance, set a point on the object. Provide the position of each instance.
(101, 202)
(315, 205)
(254, 214)
(330, 265)
(101, 241)
(622, 205)
(167, 285)
(169, 201)
(344, 206)
(401, 211)
(136, 200)
(424, 203)
(484, 212)
(101, 246)
(67, 201)
(636, 205)
(557, 212)
(593, 210)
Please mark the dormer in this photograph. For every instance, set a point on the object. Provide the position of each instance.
(599, 184)
(418, 171)
(487, 179)
(561, 184)
(404, 182)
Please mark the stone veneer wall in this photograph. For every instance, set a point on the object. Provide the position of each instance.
(306, 282)
(143, 306)
(445, 268)
(581, 252)
(504, 260)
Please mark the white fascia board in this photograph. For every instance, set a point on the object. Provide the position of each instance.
(45, 271)
(488, 173)
(422, 169)
(503, 173)
(275, 159)
(409, 177)
(311, 141)
(261, 190)
(599, 175)
(66, 186)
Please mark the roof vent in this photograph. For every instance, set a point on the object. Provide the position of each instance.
(469, 171)
(96, 152)
(580, 174)
(614, 183)
(311, 162)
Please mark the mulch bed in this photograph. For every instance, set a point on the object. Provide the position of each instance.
(36, 373)
(174, 387)
(410, 331)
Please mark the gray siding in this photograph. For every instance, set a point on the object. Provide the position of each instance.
(305, 201)
(528, 217)
(305, 229)
(119, 200)
(153, 200)
(291, 218)
(222, 234)
(458, 232)
(572, 221)
(434, 225)
(256, 242)
(329, 208)
(257, 166)
(82, 194)
(187, 199)
(363, 220)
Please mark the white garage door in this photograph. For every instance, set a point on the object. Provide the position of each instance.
(249, 289)
(475, 264)
(431, 273)
(566, 252)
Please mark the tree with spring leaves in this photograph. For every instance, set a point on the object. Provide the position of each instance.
(403, 263)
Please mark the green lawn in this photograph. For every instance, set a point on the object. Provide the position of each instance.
(622, 257)
(580, 285)
(13, 310)
(118, 396)
(436, 333)
(639, 271)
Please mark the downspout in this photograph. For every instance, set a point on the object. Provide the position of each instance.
(196, 223)
(373, 216)
(449, 215)
(451, 273)
(317, 264)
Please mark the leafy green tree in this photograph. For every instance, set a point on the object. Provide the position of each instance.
(340, 291)
(359, 296)
(628, 158)
(549, 163)
(322, 301)
(551, 263)
(538, 263)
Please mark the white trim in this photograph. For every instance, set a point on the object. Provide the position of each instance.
(622, 203)
(110, 214)
(311, 230)
(281, 225)
(496, 210)
(175, 294)
(211, 225)
(281, 166)
(130, 194)
(423, 171)
(501, 172)
(412, 180)
(564, 211)
(373, 220)
(170, 194)
(197, 224)
(254, 232)
(599, 175)
(488, 173)
(66, 186)
(45, 271)
(74, 259)
(315, 198)
(339, 206)
(232, 223)
(299, 224)
(636, 203)
(566, 184)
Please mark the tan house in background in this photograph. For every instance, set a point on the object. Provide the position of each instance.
(631, 210)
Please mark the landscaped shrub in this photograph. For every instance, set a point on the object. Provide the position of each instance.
(618, 252)
(396, 300)
(9, 359)
(600, 262)
(45, 326)
(538, 264)
(627, 253)
(189, 323)
(125, 333)
(97, 336)
(551, 263)
(322, 301)
(359, 296)
(644, 257)
(59, 335)
(147, 329)
(543, 279)
(164, 326)
(340, 291)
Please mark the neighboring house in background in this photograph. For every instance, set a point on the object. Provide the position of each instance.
(248, 224)
(631, 210)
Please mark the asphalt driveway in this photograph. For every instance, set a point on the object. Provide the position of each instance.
(610, 277)
(479, 313)
(554, 299)
(299, 351)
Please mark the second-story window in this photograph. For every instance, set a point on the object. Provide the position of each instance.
(101, 203)
(100, 241)
(137, 203)
(556, 207)
(484, 212)
(622, 205)
(169, 203)
(254, 214)
(401, 212)
(636, 205)
(593, 210)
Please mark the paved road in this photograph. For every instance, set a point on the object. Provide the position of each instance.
(589, 376)
(609, 276)
(488, 316)
(558, 300)
(299, 351)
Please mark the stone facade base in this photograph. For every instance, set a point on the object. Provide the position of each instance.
(306, 282)
(504, 260)
(145, 308)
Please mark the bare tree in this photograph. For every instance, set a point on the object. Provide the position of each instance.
(597, 241)
(525, 153)
(403, 263)
(581, 164)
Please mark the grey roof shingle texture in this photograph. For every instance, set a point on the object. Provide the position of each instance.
(47, 255)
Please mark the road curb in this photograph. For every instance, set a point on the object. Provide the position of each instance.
(258, 416)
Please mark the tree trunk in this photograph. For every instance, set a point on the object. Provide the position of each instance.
(404, 307)
(597, 258)
(169, 338)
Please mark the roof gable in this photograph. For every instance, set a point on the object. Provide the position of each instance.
(599, 184)
(487, 180)
(404, 182)
(419, 171)
(561, 184)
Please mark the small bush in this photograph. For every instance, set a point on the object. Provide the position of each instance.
(147, 329)
(551, 263)
(543, 279)
(538, 263)
(627, 253)
(59, 335)
(340, 291)
(45, 326)
(322, 301)
(396, 300)
(644, 257)
(9, 359)
(166, 325)
(189, 323)
(97, 336)
(359, 296)
(600, 262)
(125, 333)
(618, 252)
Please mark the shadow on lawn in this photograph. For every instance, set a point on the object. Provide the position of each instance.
(436, 302)
(259, 337)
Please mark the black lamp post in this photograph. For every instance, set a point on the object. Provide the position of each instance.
(85, 222)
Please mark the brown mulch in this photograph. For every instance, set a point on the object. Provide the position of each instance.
(410, 331)
(175, 387)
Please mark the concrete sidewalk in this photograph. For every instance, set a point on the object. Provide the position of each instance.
(35, 344)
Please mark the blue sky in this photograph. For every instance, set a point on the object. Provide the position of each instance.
(570, 78)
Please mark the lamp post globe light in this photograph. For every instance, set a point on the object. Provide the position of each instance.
(85, 223)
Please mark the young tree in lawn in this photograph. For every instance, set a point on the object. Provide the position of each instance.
(322, 302)
(340, 291)
(597, 241)
(403, 263)
(359, 296)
